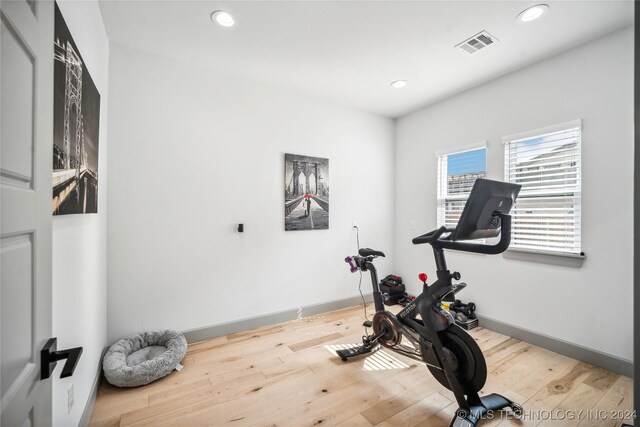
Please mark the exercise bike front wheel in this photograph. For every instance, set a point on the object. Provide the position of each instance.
(471, 369)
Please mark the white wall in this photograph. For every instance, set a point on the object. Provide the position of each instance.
(79, 241)
(192, 153)
(590, 305)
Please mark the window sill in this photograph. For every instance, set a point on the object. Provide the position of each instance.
(541, 257)
(553, 254)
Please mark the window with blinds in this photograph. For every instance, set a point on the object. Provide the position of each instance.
(457, 172)
(546, 215)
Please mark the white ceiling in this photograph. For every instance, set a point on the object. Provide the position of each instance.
(350, 51)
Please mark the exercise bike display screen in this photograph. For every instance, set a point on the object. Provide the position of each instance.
(477, 220)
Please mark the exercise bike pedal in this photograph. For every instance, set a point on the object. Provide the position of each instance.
(367, 323)
(353, 352)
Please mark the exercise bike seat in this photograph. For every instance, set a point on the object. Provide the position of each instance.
(370, 252)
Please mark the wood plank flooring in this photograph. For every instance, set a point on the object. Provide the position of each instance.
(288, 375)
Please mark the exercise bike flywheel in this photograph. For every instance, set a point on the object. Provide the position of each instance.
(392, 335)
(467, 361)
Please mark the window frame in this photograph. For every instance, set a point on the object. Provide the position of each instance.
(566, 126)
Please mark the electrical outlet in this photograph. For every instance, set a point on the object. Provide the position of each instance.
(70, 398)
(354, 224)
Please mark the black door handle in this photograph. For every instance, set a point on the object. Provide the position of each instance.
(49, 358)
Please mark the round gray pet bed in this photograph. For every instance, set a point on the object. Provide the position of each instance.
(143, 358)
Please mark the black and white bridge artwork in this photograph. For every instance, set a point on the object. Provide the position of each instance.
(306, 193)
(76, 126)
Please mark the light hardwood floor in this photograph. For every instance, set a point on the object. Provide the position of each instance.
(286, 375)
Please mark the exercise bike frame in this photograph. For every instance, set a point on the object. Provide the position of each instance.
(423, 304)
(471, 406)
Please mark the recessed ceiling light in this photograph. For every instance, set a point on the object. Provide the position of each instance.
(223, 18)
(533, 13)
(399, 84)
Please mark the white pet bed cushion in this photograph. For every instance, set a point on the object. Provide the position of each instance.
(143, 358)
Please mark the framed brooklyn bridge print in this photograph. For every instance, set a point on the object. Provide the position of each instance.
(76, 123)
(306, 192)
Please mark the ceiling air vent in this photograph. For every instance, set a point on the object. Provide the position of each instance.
(477, 42)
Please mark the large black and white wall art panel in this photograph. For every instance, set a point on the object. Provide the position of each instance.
(76, 115)
(306, 192)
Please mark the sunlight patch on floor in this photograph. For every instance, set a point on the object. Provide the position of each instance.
(378, 360)
(381, 360)
(310, 319)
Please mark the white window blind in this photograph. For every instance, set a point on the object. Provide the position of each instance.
(546, 215)
(457, 172)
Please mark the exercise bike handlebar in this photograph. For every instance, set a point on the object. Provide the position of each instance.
(433, 237)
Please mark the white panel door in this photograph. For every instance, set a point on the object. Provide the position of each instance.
(26, 150)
